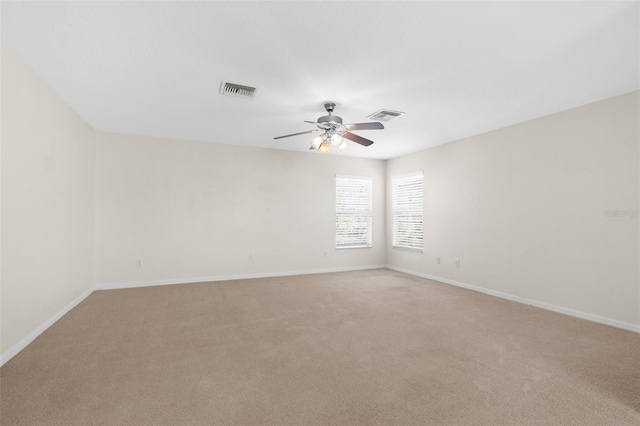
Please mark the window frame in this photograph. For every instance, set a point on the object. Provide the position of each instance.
(413, 185)
(366, 237)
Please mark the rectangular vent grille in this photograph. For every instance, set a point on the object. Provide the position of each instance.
(237, 90)
(385, 115)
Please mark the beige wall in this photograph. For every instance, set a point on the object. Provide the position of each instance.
(47, 203)
(193, 209)
(523, 209)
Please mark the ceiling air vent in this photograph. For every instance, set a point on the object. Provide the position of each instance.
(385, 115)
(237, 90)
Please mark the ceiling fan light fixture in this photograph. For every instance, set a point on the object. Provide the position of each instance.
(316, 142)
(324, 148)
(336, 139)
(342, 145)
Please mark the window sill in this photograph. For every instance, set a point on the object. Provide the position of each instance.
(415, 250)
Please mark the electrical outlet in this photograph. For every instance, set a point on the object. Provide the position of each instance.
(457, 263)
(438, 260)
(138, 263)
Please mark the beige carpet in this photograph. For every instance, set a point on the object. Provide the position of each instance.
(371, 347)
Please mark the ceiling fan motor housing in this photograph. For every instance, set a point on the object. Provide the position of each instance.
(330, 119)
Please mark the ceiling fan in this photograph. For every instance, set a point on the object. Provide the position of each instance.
(334, 132)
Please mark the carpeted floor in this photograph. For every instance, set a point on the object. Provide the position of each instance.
(369, 347)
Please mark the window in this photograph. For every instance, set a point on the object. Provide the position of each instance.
(353, 211)
(407, 191)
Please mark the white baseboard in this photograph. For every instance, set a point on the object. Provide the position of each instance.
(133, 284)
(13, 351)
(562, 310)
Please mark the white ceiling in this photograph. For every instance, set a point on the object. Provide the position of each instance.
(456, 68)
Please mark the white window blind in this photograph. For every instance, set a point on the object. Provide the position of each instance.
(353, 211)
(407, 194)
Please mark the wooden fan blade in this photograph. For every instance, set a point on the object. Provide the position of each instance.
(296, 134)
(357, 139)
(364, 126)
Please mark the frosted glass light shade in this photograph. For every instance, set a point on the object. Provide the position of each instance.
(324, 148)
(336, 139)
